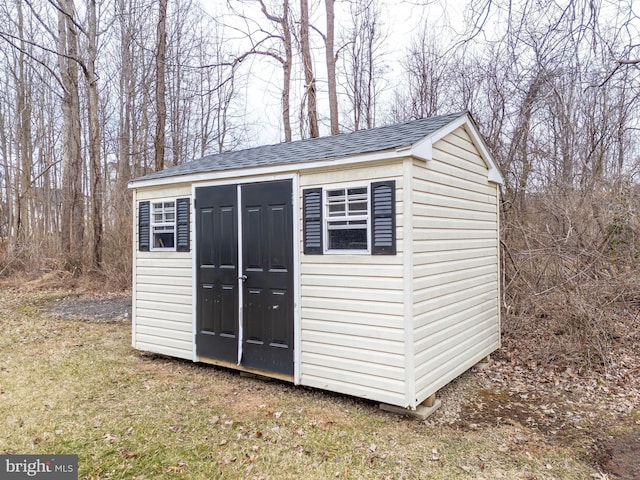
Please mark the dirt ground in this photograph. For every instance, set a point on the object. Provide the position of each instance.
(597, 413)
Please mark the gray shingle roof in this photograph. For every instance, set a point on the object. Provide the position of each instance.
(313, 149)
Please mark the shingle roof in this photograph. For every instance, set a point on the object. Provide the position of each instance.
(313, 149)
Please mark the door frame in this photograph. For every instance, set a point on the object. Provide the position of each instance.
(295, 207)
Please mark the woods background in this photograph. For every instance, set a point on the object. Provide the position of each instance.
(94, 93)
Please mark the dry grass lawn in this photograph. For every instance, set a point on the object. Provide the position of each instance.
(77, 387)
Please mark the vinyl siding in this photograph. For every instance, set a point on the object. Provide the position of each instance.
(352, 307)
(455, 263)
(162, 292)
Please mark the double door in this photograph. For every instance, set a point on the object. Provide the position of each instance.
(245, 275)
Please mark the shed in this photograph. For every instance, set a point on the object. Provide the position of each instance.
(365, 263)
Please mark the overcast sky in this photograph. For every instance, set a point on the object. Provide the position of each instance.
(263, 87)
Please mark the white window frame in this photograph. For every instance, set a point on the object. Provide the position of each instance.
(327, 219)
(164, 223)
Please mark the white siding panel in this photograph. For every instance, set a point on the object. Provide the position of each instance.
(365, 344)
(446, 210)
(435, 200)
(373, 282)
(159, 331)
(431, 288)
(434, 343)
(442, 369)
(151, 316)
(361, 332)
(331, 379)
(480, 296)
(459, 223)
(172, 349)
(462, 265)
(339, 305)
(355, 318)
(333, 267)
(344, 380)
(458, 254)
(163, 290)
(451, 313)
(461, 139)
(450, 154)
(368, 366)
(352, 336)
(167, 275)
(167, 324)
(455, 273)
(445, 177)
(348, 353)
(176, 282)
(176, 298)
(354, 294)
(183, 308)
(374, 380)
(466, 148)
(433, 247)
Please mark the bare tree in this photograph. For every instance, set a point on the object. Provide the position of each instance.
(362, 63)
(23, 138)
(330, 56)
(161, 107)
(93, 105)
(428, 78)
(276, 43)
(72, 235)
(309, 78)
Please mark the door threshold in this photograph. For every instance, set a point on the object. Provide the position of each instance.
(246, 370)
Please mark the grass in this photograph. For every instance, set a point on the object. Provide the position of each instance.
(75, 387)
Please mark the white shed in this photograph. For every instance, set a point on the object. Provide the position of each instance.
(365, 263)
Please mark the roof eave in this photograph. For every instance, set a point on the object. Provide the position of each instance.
(380, 155)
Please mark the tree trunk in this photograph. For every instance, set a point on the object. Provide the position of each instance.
(307, 62)
(331, 68)
(23, 147)
(286, 70)
(72, 235)
(161, 105)
(94, 137)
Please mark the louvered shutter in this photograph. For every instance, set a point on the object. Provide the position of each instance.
(182, 224)
(143, 226)
(312, 221)
(383, 213)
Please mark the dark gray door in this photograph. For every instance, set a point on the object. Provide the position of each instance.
(266, 276)
(217, 272)
(267, 260)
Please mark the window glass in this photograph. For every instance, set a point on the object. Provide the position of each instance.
(163, 225)
(347, 219)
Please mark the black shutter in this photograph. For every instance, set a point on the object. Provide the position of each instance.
(383, 213)
(143, 226)
(312, 221)
(182, 224)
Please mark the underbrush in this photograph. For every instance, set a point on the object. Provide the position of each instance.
(572, 279)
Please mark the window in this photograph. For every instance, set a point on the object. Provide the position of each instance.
(347, 218)
(163, 225)
(355, 219)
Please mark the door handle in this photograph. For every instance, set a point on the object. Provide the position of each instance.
(243, 278)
